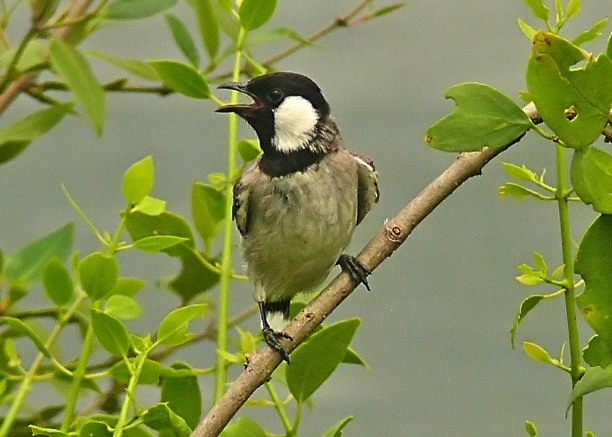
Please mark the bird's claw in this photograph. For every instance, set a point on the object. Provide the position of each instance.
(272, 339)
(358, 271)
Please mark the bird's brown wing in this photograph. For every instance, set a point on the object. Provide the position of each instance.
(367, 193)
(240, 208)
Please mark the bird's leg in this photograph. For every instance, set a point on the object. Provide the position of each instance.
(271, 336)
(355, 268)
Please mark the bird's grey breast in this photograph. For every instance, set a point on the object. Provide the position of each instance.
(299, 224)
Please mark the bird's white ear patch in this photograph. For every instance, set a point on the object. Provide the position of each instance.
(294, 123)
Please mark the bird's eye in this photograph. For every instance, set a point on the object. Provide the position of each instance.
(275, 95)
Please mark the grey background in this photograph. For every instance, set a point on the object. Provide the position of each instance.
(435, 328)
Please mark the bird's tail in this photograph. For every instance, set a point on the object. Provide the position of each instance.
(277, 314)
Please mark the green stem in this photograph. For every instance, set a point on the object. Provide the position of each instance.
(21, 394)
(298, 418)
(79, 375)
(228, 231)
(280, 408)
(568, 279)
(129, 395)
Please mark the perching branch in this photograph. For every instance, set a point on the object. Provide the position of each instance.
(391, 236)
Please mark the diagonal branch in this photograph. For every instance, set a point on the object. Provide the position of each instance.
(394, 232)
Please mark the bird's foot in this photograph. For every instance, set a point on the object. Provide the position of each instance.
(272, 338)
(355, 268)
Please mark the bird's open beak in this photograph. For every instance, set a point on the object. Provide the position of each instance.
(240, 109)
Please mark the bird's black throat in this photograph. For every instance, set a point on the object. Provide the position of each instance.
(276, 164)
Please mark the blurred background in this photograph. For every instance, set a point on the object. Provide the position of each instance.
(435, 328)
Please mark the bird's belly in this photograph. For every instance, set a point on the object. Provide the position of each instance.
(298, 235)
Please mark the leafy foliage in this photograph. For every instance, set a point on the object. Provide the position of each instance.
(572, 91)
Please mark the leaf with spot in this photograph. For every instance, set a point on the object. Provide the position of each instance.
(483, 117)
(591, 174)
(594, 264)
(573, 101)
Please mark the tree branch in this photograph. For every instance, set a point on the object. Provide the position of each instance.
(391, 236)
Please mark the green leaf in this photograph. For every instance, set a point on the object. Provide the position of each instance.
(538, 8)
(23, 329)
(388, 9)
(336, 430)
(609, 47)
(29, 263)
(138, 180)
(157, 243)
(128, 286)
(243, 427)
(540, 262)
(58, 283)
(50, 432)
(123, 307)
(135, 9)
(560, 90)
(208, 207)
(248, 149)
(314, 361)
(73, 68)
(517, 191)
(593, 264)
(596, 353)
(483, 117)
(183, 39)
(591, 175)
(150, 206)
(195, 277)
(268, 36)
(182, 78)
(136, 67)
(527, 30)
(16, 137)
(140, 225)
(531, 428)
(529, 279)
(182, 394)
(353, 357)
(573, 8)
(207, 25)
(95, 428)
(521, 173)
(172, 329)
(161, 417)
(256, 13)
(527, 305)
(591, 34)
(98, 274)
(536, 352)
(150, 374)
(110, 332)
(594, 379)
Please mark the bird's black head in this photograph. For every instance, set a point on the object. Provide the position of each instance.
(286, 110)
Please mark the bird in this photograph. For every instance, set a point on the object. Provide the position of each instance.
(298, 204)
